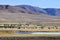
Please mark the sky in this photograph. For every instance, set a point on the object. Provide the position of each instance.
(37, 3)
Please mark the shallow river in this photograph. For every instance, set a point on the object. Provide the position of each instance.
(37, 33)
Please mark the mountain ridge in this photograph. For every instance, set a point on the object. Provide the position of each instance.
(31, 9)
(48, 11)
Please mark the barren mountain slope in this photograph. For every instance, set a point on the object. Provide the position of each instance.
(13, 13)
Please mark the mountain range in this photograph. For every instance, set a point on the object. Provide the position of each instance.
(28, 13)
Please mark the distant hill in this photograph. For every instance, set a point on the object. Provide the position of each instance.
(37, 10)
(27, 13)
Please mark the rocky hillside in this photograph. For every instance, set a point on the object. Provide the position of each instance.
(27, 13)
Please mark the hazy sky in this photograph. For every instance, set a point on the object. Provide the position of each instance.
(38, 3)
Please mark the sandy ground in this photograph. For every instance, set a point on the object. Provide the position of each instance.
(29, 38)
